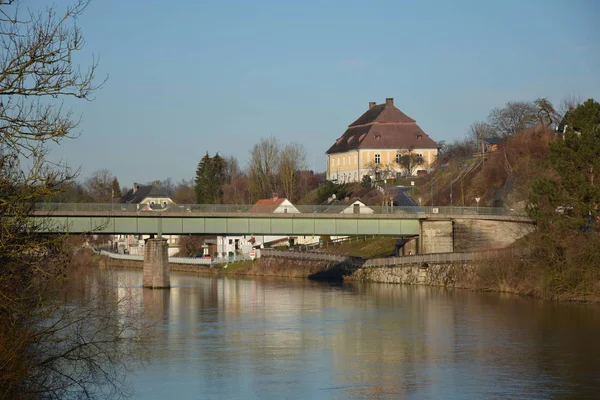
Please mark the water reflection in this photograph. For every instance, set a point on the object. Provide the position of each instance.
(275, 338)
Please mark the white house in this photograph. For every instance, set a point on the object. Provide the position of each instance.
(244, 243)
(147, 198)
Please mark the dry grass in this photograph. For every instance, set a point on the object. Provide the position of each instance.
(369, 247)
(566, 270)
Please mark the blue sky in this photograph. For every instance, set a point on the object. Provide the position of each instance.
(186, 77)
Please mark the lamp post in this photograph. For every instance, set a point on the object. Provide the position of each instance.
(451, 184)
(431, 190)
(477, 200)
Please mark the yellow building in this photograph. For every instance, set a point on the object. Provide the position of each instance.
(375, 145)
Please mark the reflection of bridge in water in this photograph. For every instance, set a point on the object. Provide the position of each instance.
(431, 229)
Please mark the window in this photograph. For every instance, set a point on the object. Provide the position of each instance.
(377, 158)
(344, 161)
(419, 136)
(377, 137)
(338, 162)
(332, 162)
(398, 157)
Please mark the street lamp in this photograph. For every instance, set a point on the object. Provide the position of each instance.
(431, 190)
(451, 184)
(477, 200)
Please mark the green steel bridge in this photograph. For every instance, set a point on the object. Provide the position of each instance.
(211, 219)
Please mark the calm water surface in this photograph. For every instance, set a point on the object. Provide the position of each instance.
(297, 339)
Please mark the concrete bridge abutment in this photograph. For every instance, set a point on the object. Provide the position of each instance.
(156, 264)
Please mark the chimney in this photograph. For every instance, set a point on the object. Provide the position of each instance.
(135, 187)
(389, 101)
(275, 196)
(372, 104)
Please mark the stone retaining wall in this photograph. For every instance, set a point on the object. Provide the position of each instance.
(452, 275)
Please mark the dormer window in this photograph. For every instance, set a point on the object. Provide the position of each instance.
(377, 137)
(419, 136)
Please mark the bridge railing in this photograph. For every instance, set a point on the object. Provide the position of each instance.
(109, 208)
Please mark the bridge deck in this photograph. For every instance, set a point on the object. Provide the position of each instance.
(396, 221)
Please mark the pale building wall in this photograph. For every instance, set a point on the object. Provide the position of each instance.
(352, 165)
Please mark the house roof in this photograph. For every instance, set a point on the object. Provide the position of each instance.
(141, 193)
(383, 126)
(336, 205)
(267, 205)
(492, 140)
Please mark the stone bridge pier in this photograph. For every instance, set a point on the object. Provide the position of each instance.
(468, 234)
(156, 264)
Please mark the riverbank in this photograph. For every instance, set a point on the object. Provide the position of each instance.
(510, 274)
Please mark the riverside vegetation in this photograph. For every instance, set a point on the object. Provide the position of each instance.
(53, 344)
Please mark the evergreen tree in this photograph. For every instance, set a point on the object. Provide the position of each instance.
(200, 183)
(574, 187)
(116, 189)
(210, 178)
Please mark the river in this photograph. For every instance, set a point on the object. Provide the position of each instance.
(244, 338)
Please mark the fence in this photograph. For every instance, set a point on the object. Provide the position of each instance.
(181, 260)
(313, 256)
(116, 208)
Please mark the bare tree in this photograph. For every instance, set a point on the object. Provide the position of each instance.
(292, 160)
(166, 185)
(374, 169)
(264, 163)
(514, 117)
(546, 114)
(409, 161)
(238, 191)
(100, 186)
(480, 130)
(184, 192)
(47, 350)
(568, 103)
(232, 169)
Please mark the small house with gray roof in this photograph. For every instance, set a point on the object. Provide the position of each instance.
(148, 196)
(374, 144)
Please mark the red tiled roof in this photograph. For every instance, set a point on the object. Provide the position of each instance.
(267, 205)
(383, 127)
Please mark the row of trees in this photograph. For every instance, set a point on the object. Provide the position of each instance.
(505, 122)
(273, 167)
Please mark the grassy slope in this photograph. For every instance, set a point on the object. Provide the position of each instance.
(382, 246)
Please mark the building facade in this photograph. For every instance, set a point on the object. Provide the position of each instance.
(378, 144)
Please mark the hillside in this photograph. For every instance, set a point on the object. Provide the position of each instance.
(320, 195)
(500, 178)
